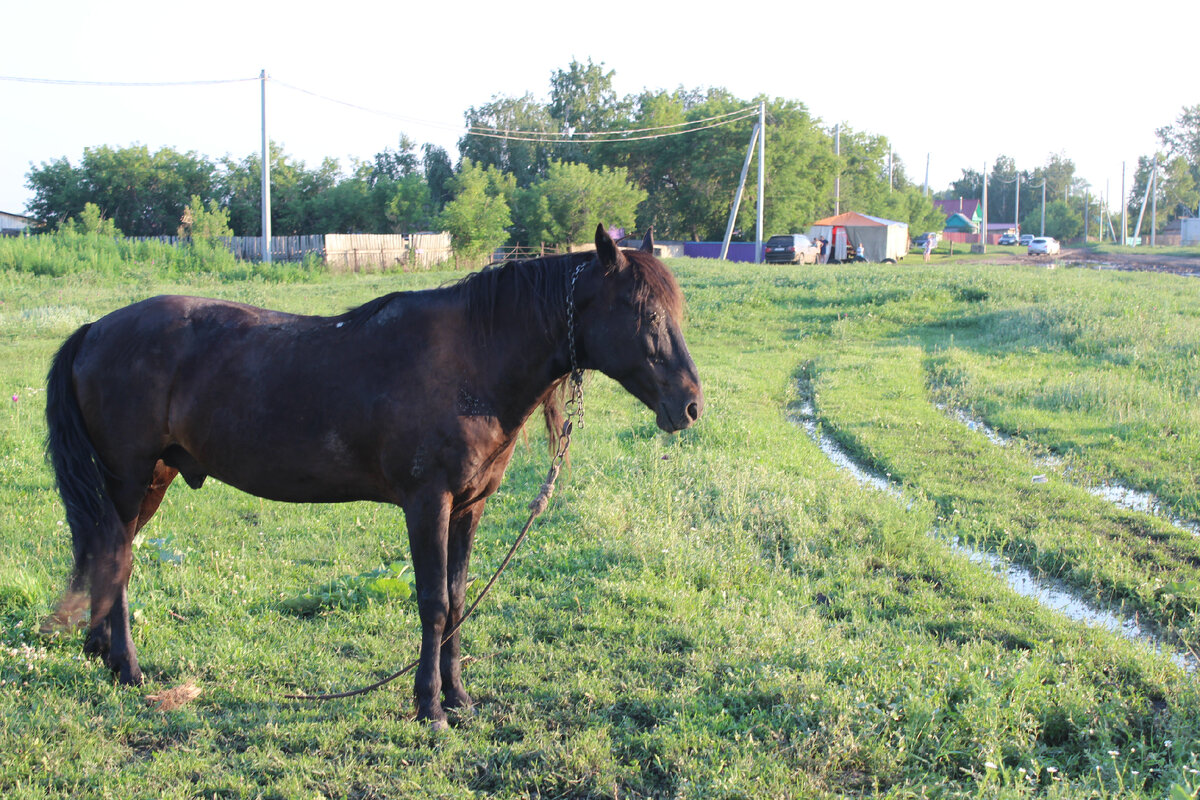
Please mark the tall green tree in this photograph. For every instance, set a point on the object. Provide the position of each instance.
(438, 174)
(143, 193)
(1063, 222)
(582, 100)
(1182, 140)
(690, 179)
(799, 172)
(1176, 192)
(296, 190)
(526, 161)
(478, 217)
(577, 198)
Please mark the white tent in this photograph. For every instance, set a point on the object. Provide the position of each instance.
(882, 239)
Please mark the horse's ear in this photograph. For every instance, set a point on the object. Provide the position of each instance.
(648, 241)
(606, 248)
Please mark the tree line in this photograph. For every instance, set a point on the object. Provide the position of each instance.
(1016, 195)
(502, 190)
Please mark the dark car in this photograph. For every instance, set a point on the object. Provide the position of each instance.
(1008, 238)
(920, 241)
(790, 248)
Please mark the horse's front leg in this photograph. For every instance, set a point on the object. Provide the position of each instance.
(428, 519)
(462, 536)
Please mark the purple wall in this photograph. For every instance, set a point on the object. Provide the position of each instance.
(738, 251)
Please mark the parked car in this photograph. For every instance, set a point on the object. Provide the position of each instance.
(919, 242)
(790, 248)
(1026, 238)
(1009, 238)
(1043, 245)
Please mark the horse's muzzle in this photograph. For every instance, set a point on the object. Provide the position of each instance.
(676, 414)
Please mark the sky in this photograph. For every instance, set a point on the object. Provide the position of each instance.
(959, 84)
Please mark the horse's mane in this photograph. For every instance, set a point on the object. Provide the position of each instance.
(537, 286)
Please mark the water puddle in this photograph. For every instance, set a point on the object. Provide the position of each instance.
(1137, 500)
(1052, 594)
(1115, 493)
(1173, 269)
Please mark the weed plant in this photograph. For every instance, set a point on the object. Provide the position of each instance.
(721, 613)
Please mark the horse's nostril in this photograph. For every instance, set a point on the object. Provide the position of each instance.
(693, 412)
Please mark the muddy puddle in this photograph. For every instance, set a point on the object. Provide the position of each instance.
(1050, 593)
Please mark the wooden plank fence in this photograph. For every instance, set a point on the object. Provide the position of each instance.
(342, 252)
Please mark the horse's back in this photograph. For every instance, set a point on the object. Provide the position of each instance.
(284, 406)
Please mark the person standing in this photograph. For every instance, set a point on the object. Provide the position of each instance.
(928, 248)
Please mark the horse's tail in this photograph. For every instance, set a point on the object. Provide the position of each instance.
(554, 414)
(81, 479)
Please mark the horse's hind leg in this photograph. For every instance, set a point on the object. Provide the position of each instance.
(461, 537)
(110, 636)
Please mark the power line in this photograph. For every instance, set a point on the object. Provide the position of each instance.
(535, 137)
(357, 107)
(613, 136)
(741, 113)
(65, 82)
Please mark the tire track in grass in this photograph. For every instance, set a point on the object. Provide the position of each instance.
(1113, 491)
(1054, 595)
(876, 400)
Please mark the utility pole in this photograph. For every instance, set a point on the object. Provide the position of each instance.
(1124, 208)
(762, 178)
(1086, 208)
(927, 174)
(837, 178)
(737, 198)
(266, 178)
(1153, 199)
(1017, 205)
(889, 170)
(983, 221)
(1043, 233)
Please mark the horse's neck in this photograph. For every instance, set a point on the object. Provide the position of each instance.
(525, 368)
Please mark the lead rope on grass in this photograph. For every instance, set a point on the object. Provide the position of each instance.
(574, 412)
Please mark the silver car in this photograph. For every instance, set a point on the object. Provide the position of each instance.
(1044, 246)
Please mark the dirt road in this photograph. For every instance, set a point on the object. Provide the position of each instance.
(1155, 262)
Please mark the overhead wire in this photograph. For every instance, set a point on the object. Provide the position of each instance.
(140, 84)
(621, 135)
(531, 136)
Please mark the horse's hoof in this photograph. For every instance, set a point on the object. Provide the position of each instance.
(459, 701)
(130, 675)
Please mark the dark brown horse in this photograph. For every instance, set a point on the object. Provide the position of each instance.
(415, 398)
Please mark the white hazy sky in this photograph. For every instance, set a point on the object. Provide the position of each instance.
(962, 82)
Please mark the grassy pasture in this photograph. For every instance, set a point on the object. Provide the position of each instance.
(720, 613)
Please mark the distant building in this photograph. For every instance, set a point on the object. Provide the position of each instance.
(1189, 231)
(14, 224)
(972, 209)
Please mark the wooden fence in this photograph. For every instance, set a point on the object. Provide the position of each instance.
(342, 252)
(366, 252)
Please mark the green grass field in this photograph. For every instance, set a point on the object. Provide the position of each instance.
(718, 614)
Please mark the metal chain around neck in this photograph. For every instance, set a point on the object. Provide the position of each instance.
(574, 404)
